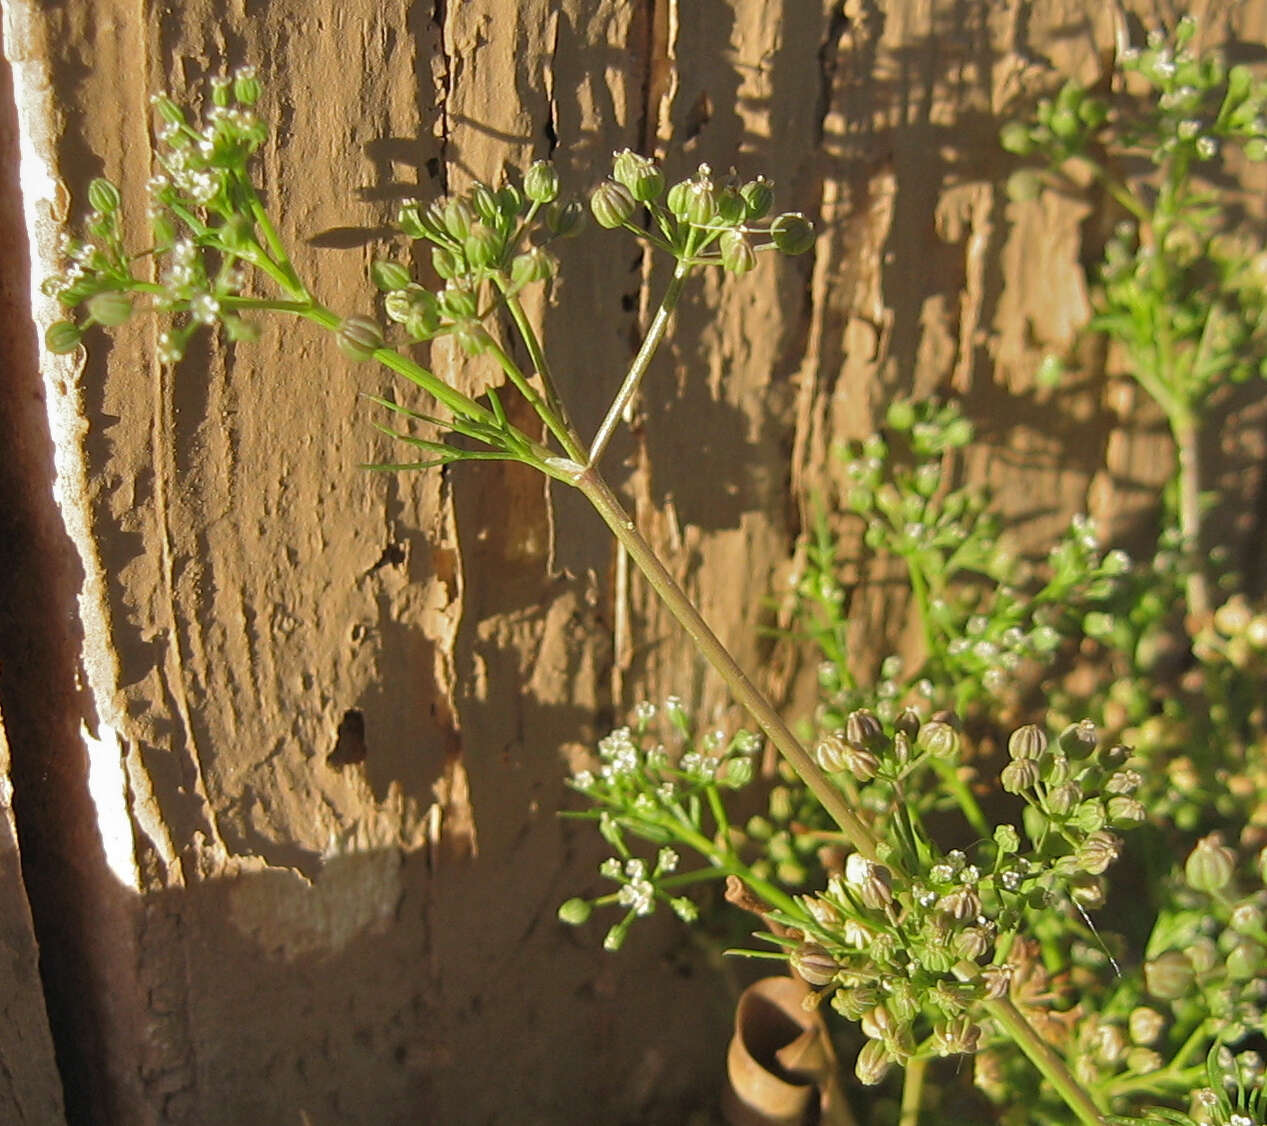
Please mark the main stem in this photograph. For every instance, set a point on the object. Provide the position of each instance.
(595, 489)
(1187, 442)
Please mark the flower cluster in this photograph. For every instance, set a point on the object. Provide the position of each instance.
(699, 220)
(658, 782)
(986, 616)
(205, 224)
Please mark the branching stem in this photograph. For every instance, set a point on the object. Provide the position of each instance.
(641, 362)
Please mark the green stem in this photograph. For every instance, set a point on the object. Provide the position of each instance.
(414, 372)
(539, 405)
(919, 588)
(275, 246)
(1041, 1054)
(1186, 433)
(912, 1091)
(595, 489)
(566, 433)
(641, 362)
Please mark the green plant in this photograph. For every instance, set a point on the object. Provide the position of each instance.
(942, 919)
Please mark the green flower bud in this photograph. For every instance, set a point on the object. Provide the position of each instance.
(389, 276)
(411, 301)
(814, 963)
(484, 201)
(1146, 1025)
(541, 182)
(359, 338)
(1020, 775)
(938, 739)
(731, 208)
(575, 912)
(1078, 740)
(565, 218)
(1090, 816)
(1007, 839)
(873, 882)
(1028, 742)
(103, 196)
(907, 723)
(701, 202)
(533, 265)
(639, 174)
(878, 1023)
(246, 86)
(510, 202)
(853, 1003)
(1064, 123)
(737, 254)
(483, 247)
(168, 110)
(1256, 149)
(1097, 852)
(409, 220)
(1087, 891)
(458, 302)
(959, 1036)
(792, 233)
(458, 217)
(1093, 113)
(737, 773)
(1061, 799)
(676, 200)
(612, 204)
(1015, 138)
(1247, 918)
(62, 337)
(758, 198)
(1056, 770)
(862, 729)
(111, 308)
(972, 944)
(873, 1063)
(473, 338)
(1245, 961)
(1142, 1061)
(449, 264)
(1125, 812)
(1211, 865)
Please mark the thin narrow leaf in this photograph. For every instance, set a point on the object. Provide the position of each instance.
(498, 411)
(420, 443)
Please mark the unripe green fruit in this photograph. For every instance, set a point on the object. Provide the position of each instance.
(565, 218)
(737, 254)
(792, 233)
(575, 912)
(110, 309)
(62, 337)
(484, 201)
(483, 247)
(613, 204)
(103, 196)
(1210, 866)
(359, 338)
(541, 182)
(534, 265)
(758, 197)
(389, 276)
